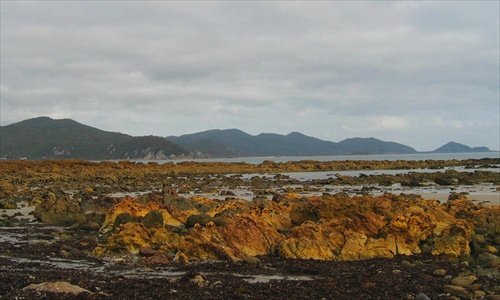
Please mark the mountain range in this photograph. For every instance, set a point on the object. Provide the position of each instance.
(43, 137)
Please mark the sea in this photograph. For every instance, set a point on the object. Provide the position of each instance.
(388, 157)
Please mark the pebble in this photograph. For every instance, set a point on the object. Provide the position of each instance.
(492, 297)
(439, 272)
(463, 281)
(406, 263)
(479, 294)
(455, 290)
(491, 249)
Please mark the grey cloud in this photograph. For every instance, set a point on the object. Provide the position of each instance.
(387, 69)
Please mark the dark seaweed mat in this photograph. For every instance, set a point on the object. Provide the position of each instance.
(368, 279)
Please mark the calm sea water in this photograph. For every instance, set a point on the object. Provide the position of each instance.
(390, 157)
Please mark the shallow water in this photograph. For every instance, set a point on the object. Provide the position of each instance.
(389, 157)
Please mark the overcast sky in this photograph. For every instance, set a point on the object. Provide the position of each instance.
(417, 73)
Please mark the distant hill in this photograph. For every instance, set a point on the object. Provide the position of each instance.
(373, 146)
(44, 137)
(453, 147)
(233, 142)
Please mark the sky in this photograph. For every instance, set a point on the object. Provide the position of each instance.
(418, 73)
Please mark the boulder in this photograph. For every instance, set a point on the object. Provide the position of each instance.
(488, 260)
(59, 287)
(152, 218)
(59, 210)
(464, 281)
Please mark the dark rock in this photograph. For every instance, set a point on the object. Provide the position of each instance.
(7, 204)
(410, 183)
(89, 226)
(488, 260)
(152, 218)
(444, 181)
(123, 219)
(201, 219)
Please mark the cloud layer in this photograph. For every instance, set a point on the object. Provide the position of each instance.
(419, 73)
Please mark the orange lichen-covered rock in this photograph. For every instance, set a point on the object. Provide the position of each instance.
(127, 239)
(134, 208)
(454, 239)
(277, 215)
(320, 227)
(316, 241)
(409, 230)
(240, 238)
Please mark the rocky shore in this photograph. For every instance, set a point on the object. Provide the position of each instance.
(78, 229)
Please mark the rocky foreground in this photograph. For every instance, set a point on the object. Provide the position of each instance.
(144, 231)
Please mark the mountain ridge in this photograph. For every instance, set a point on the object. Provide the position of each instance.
(44, 137)
(292, 144)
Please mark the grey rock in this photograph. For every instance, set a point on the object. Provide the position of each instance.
(422, 296)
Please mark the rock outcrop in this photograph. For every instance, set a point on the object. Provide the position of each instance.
(322, 227)
(57, 208)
